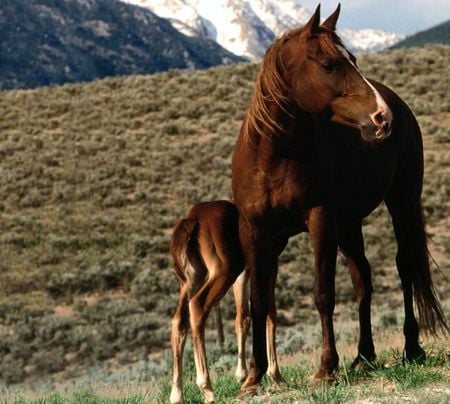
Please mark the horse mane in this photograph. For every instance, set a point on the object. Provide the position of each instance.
(271, 87)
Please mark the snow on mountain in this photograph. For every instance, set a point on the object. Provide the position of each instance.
(248, 27)
(369, 40)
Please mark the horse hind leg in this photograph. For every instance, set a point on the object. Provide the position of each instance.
(413, 267)
(180, 329)
(351, 243)
(199, 308)
(242, 322)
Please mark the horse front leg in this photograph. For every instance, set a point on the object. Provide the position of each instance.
(242, 323)
(323, 237)
(274, 370)
(262, 264)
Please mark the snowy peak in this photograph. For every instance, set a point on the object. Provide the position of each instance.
(369, 40)
(247, 27)
(244, 27)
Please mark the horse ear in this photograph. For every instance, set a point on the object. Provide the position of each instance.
(314, 21)
(331, 21)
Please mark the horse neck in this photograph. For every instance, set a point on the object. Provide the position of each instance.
(297, 127)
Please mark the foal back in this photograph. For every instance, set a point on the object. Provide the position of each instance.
(206, 244)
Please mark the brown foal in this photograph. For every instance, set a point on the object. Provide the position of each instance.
(208, 259)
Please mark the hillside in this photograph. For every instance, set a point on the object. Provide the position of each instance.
(94, 177)
(52, 42)
(440, 34)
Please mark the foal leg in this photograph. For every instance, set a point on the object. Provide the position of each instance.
(219, 327)
(323, 237)
(180, 328)
(351, 243)
(199, 308)
(242, 322)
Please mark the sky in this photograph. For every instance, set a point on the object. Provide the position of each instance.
(401, 16)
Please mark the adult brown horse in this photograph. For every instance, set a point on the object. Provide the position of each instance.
(319, 149)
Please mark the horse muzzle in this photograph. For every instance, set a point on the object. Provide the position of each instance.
(375, 134)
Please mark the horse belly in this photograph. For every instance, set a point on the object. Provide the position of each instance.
(363, 185)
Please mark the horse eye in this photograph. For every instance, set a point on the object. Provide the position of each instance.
(329, 67)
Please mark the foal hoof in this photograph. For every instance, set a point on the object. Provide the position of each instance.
(415, 355)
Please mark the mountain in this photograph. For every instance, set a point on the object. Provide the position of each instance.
(439, 34)
(56, 41)
(248, 27)
(244, 27)
(369, 40)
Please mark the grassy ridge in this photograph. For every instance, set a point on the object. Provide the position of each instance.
(94, 177)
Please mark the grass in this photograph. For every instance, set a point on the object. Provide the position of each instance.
(388, 380)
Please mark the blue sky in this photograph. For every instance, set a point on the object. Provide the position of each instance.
(402, 16)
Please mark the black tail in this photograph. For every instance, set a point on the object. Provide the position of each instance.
(179, 244)
(431, 315)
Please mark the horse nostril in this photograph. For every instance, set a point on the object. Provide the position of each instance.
(378, 119)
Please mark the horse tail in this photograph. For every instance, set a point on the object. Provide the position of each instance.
(431, 315)
(179, 244)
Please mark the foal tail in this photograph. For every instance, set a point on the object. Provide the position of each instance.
(431, 315)
(179, 244)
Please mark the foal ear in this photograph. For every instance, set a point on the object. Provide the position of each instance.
(314, 21)
(331, 21)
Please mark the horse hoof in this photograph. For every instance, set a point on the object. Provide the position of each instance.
(363, 363)
(176, 396)
(322, 379)
(415, 355)
(240, 376)
(277, 378)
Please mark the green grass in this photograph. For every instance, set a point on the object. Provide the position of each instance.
(385, 380)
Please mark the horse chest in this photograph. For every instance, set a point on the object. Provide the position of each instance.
(278, 197)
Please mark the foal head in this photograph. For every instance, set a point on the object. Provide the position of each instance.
(320, 74)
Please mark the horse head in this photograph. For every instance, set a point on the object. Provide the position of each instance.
(319, 73)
